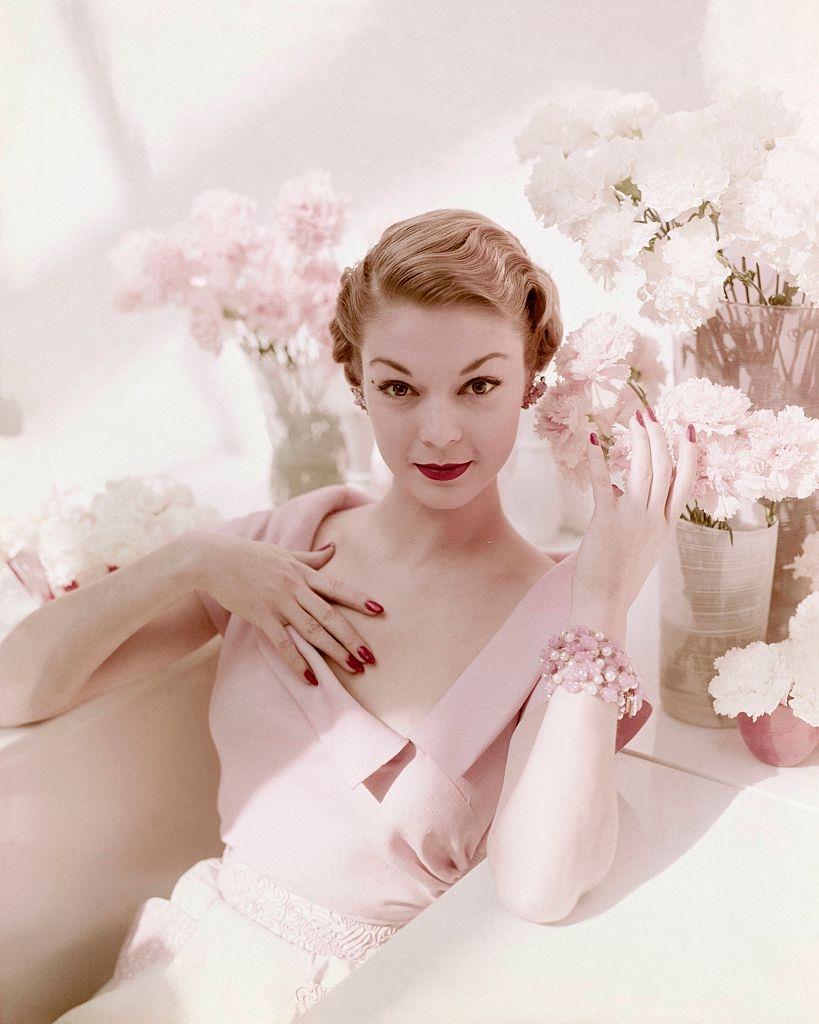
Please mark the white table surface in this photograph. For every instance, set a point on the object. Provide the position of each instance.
(709, 915)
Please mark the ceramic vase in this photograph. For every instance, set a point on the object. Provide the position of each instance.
(714, 595)
(780, 738)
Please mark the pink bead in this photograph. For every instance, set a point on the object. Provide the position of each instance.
(579, 663)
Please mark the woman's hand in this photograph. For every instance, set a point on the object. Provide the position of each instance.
(629, 529)
(270, 586)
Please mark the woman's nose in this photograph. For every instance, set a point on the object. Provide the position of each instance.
(439, 429)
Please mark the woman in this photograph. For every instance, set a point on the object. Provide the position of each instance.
(377, 703)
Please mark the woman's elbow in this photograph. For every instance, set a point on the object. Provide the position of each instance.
(542, 910)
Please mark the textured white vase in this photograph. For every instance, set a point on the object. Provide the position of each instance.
(530, 489)
(714, 595)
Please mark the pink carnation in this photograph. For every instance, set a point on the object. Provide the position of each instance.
(309, 212)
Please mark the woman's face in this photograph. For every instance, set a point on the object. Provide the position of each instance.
(433, 396)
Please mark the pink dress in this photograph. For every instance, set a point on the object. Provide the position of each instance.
(338, 829)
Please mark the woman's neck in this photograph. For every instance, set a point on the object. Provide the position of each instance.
(406, 532)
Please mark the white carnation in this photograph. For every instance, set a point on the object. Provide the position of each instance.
(752, 679)
(585, 119)
(79, 535)
(806, 563)
(804, 623)
(748, 122)
(679, 163)
(803, 659)
(561, 191)
(610, 242)
(775, 216)
(683, 274)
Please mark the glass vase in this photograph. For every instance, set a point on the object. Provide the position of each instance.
(780, 738)
(772, 354)
(28, 569)
(714, 595)
(305, 432)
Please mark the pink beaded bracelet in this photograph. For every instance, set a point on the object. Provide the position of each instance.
(583, 658)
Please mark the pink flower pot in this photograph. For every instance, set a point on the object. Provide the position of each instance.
(779, 738)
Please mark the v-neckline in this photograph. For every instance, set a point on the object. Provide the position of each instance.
(468, 669)
(347, 726)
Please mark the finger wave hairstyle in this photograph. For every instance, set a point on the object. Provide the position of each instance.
(445, 258)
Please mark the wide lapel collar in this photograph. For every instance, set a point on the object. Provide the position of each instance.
(475, 709)
(358, 741)
(485, 698)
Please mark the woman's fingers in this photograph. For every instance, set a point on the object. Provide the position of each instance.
(661, 465)
(683, 478)
(327, 629)
(638, 487)
(602, 493)
(340, 592)
(284, 647)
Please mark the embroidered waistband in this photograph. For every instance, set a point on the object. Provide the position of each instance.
(314, 928)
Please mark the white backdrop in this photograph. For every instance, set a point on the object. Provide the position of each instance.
(116, 114)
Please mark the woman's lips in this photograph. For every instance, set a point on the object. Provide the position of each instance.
(443, 474)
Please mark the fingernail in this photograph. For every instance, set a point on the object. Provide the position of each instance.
(324, 547)
(310, 677)
(691, 435)
(373, 606)
(593, 438)
(367, 655)
(650, 412)
(354, 664)
(640, 419)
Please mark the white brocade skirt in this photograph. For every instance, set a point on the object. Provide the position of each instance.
(229, 945)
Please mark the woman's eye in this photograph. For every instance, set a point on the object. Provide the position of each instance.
(392, 384)
(476, 380)
(485, 380)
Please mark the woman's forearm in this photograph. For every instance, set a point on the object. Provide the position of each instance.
(47, 658)
(557, 835)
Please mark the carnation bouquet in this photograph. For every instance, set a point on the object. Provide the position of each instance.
(756, 678)
(269, 287)
(773, 689)
(747, 462)
(78, 536)
(692, 200)
(713, 215)
(605, 370)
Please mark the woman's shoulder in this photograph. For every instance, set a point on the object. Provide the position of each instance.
(525, 558)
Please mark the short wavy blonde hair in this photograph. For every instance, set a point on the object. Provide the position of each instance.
(443, 258)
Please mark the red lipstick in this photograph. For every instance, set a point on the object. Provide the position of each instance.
(448, 471)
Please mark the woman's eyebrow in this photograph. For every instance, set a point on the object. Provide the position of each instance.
(472, 366)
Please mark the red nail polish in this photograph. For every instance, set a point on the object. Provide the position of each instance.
(691, 434)
(366, 655)
(650, 412)
(373, 606)
(593, 438)
(640, 419)
(310, 676)
(354, 663)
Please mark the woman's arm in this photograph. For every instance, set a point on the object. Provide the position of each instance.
(554, 834)
(143, 616)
